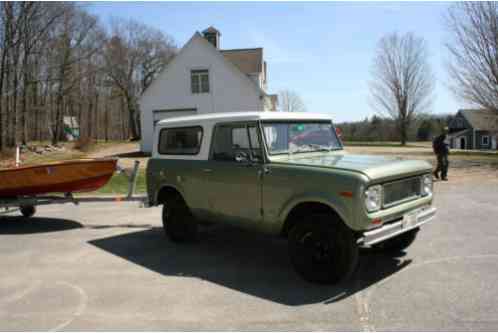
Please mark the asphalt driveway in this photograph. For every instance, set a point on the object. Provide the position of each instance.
(108, 266)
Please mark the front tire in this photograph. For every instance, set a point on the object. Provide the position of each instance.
(178, 223)
(28, 211)
(323, 250)
(398, 243)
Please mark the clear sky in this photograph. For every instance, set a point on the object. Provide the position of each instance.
(323, 51)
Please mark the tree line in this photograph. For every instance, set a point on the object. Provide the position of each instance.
(57, 60)
(424, 128)
(402, 84)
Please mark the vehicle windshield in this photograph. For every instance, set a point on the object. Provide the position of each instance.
(299, 137)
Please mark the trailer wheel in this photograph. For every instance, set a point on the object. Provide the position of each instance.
(178, 223)
(28, 211)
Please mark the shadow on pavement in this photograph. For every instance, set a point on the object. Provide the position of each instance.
(250, 263)
(19, 225)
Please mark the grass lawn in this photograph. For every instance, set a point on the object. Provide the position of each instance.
(119, 184)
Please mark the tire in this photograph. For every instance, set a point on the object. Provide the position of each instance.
(398, 243)
(323, 250)
(178, 223)
(28, 211)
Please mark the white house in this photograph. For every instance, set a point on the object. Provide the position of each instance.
(202, 78)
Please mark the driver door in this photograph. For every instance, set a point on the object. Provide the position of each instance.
(233, 181)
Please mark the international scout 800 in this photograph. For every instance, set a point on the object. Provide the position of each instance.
(286, 174)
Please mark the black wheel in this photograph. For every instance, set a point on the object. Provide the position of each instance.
(28, 211)
(178, 223)
(323, 250)
(398, 243)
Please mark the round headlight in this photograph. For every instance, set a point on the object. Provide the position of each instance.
(373, 198)
(426, 184)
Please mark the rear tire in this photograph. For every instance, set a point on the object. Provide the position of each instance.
(28, 211)
(398, 243)
(323, 250)
(178, 223)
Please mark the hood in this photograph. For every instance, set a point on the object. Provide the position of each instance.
(373, 166)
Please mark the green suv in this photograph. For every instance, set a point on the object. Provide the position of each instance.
(286, 174)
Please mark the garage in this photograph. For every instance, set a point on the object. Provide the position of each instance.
(159, 115)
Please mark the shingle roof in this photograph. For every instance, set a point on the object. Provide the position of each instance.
(247, 60)
(481, 119)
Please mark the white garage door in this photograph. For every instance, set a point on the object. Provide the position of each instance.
(159, 115)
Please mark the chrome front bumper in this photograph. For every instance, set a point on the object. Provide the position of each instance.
(411, 220)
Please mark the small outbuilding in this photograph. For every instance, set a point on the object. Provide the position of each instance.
(474, 129)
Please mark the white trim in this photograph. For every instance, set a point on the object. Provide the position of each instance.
(244, 116)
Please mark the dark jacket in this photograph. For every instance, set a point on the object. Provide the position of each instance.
(439, 146)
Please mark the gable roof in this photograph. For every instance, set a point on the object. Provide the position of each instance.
(247, 60)
(199, 37)
(481, 119)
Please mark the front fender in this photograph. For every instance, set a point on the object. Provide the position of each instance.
(338, 204)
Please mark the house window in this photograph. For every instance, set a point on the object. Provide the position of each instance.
(199, 81)
(485, 140)
(180, 141)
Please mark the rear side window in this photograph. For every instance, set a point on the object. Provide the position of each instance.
(180, 141)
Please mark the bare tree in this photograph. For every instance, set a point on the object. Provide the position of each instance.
(133, 56)
(474, 52)
(290, 101)
(402, 83)
(56, 60)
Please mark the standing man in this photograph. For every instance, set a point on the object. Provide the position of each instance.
(442, 151)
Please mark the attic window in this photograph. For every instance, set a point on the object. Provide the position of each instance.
(199, 81)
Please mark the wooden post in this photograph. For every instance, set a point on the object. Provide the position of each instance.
(18, 156)
(133, 180)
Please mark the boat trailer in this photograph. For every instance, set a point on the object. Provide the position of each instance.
(27, 204)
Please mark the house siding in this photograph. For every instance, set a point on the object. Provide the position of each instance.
(230, 90)
(479, 135)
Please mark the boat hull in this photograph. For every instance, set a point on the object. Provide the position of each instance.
(62, 177)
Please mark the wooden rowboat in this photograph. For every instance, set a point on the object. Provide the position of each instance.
(58, 177)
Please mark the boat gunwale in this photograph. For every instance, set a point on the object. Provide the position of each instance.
(61, 163)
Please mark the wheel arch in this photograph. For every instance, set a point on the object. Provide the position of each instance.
(166, 191)
(300, 208)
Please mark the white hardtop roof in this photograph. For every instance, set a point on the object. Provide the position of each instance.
(245, 116)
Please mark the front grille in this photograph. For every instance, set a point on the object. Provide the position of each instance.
(401, 190)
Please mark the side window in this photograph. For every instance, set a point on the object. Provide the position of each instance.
(180, 141)
(232, 141)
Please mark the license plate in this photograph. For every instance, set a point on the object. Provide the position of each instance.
(410, 219)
